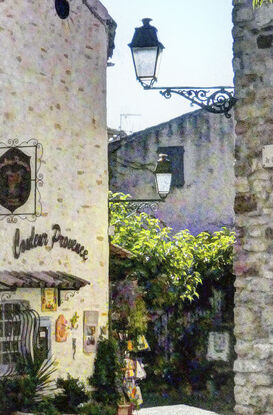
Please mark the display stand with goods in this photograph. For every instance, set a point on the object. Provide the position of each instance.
(134, 370)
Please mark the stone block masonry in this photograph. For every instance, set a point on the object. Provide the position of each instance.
(253, 67)
(53, 89)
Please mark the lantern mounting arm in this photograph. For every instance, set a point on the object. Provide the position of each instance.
(215, 99)
(138, 205)
(136, 200)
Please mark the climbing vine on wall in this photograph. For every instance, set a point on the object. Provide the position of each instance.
(178, 276)
(170, 267)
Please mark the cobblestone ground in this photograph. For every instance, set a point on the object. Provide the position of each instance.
(173, 410)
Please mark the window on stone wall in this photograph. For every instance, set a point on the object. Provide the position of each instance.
(10, 333)
(176, 156)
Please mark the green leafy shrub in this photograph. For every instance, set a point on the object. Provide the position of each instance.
(169, 268)
(46, 407)
(178, 275)
(107, 377)
(93, 408)
(72, 394)
(31, 384)
(259, 3)
(9, 392)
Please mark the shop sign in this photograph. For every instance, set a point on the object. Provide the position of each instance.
(43, 239)
(15, 179)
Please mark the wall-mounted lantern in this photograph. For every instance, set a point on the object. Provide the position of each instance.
(163, 178)
(146, 52)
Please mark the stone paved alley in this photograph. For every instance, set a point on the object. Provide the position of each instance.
(173, 410)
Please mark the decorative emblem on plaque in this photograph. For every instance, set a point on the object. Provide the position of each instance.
(19, 180)
(15, 179)
(61, 329)
(218, 346)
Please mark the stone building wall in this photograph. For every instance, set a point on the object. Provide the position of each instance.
(53, 89)
(205, 200)
(253, 66)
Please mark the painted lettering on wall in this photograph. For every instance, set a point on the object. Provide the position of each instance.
(42, 239)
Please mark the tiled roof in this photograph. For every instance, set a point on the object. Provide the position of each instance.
(117, 250)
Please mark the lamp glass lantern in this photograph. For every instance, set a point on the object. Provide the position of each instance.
(163, 176)
(146, 52)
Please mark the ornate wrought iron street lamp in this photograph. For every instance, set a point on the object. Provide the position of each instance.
(146, 52)
(163, 178)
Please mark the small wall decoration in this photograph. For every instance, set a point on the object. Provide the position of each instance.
(19, 180)
(74, 347)
(90, 329)
(61, 329)
(74, 321)
(49, 299)
(218, 346)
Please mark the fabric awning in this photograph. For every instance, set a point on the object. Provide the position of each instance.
(13, 279)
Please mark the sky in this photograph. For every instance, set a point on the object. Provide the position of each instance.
(198, 52)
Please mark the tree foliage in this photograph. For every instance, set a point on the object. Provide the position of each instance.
(169, 267)
(259, 3)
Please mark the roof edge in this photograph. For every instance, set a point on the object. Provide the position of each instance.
(101, 13)
(128, 138)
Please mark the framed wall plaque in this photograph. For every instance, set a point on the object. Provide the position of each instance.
(20, 180)
(90, 331)
(49, 299)
(218, 346)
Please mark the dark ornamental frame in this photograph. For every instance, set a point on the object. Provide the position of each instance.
(37, 181)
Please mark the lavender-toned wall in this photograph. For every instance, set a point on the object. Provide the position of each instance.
(205, 201)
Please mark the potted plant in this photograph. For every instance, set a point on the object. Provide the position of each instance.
(124, 407)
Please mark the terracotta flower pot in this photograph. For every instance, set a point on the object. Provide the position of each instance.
(125, 409)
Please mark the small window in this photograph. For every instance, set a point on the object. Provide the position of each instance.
(176, 156)
(62, 8)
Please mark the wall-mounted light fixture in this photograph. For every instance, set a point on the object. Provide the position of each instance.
(163, 178)
(146, 52)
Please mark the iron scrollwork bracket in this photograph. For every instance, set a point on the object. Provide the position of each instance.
(136, 206)
(217, 100)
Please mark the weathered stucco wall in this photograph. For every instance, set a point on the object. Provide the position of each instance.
(53, 89)
(205, 201)
(253, 66)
